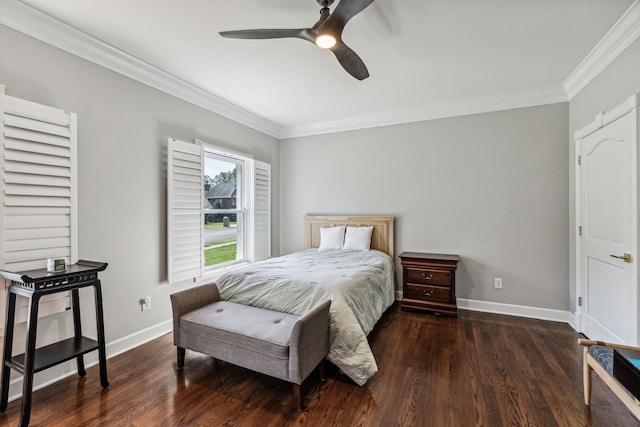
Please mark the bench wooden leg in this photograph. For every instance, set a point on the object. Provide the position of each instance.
(586, 376)
(181, 353)
(322, 369)
(298, 397)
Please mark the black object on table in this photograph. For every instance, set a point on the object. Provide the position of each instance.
(626, 371)
(33, 285)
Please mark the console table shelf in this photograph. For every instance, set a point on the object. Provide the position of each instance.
(33, 285)
(53, 354)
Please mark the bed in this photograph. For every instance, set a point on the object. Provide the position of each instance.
(359, 283)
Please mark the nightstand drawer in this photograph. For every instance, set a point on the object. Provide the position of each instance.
(428, 293)
(428, 277)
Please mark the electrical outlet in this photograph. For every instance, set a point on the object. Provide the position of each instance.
(497, 282)
(145, 303)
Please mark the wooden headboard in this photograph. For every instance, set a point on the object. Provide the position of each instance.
(382, 237)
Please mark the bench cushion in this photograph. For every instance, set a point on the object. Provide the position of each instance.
(256, 329)
(604, 356)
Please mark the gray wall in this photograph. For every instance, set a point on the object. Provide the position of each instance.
(123, 130)
(614, 85)
(490, 187)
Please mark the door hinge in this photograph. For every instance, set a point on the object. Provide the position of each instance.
(579, 230)
(580, 301)
(579, 160)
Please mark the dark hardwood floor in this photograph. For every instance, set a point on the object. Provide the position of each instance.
(478, 370)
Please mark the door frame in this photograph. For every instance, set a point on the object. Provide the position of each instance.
(630, 106)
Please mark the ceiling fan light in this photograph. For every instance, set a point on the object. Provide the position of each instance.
(325, 41)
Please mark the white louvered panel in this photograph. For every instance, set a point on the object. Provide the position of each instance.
(38, 147)
(185, 252)
(40, 180)
(262, 202)
(35, 244)
(11, 120)
(38, 169)
(38, 184)
(185, 230)
(184, 177)
(26, 158)
(32, 110)
(37, 190)
(41, 210)
(184, 203)
(23, 266)
(184, 210)
(186, 191)
(185, 234)
(262, 214)
(184, 166)
(36, 201)
(46, 139)
(51, 220)
(37, 254)
(36, 233)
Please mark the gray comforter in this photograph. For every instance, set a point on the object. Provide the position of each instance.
(359, 284)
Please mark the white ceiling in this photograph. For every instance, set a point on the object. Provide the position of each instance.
(423, 56)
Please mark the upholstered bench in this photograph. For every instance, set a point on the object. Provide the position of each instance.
(281, 345)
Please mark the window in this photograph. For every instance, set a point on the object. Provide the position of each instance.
(224, 209)
(218, 209)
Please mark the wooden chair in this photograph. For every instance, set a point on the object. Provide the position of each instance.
(598, 356)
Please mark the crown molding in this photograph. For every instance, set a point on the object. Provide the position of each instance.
(623, 33)
(523, 99)
(37, 24)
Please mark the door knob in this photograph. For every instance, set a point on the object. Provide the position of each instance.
(626, 257)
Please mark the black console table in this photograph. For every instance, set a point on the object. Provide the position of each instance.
(34, 285)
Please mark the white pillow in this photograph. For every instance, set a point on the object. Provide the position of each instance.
(331, 238)
(358, 238)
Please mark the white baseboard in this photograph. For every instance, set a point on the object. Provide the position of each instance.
(517, 310)
(136, 339)
(113, 348)
(573, 319)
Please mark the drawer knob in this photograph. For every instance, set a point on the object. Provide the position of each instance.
(427, 293)
(427, 277)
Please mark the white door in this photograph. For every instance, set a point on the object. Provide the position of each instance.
(607, 255)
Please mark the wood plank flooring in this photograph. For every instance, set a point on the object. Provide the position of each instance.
(478, 370)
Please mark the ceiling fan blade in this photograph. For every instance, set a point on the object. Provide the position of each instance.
(344, 11)
(298, 33)
(350, 61)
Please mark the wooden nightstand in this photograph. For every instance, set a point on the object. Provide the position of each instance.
(429, 282)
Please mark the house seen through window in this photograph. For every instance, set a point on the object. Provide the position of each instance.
(224, 210)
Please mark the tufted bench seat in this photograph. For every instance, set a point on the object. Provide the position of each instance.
(281, 345)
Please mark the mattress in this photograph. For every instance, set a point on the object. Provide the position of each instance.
(360, 285)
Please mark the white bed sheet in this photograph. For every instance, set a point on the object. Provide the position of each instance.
(360, 285)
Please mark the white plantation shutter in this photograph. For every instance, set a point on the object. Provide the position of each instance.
(262, 213)
(185, 202)
(39, 185)
(38, 211)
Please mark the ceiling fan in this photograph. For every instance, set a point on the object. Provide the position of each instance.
(326, 33)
